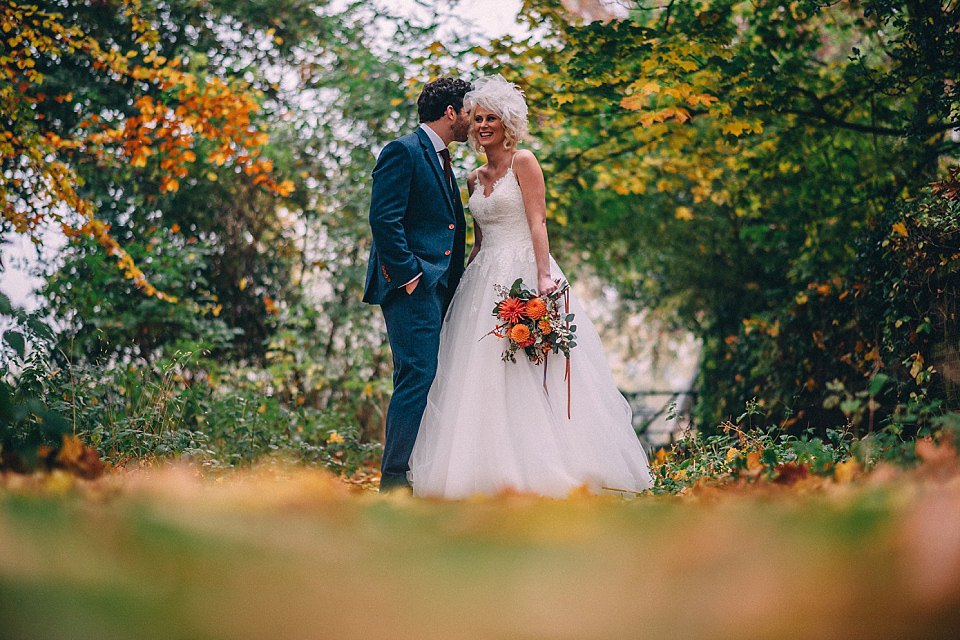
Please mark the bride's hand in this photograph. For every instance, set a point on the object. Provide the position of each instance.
(546, 285)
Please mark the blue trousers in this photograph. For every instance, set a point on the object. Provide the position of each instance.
(413, 328)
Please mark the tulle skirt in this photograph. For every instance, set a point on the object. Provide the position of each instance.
(489, 425)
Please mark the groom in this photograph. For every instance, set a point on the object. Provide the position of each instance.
(417, 258)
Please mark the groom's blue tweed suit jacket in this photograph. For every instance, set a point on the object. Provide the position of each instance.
(417, 221)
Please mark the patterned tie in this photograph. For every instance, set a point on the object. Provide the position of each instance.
(445, 154)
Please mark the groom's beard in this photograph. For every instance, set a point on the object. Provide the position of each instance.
(460, 130)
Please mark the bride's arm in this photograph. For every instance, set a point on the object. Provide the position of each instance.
(477, 235)
(530, 177)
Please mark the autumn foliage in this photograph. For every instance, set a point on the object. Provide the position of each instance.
(174, 113)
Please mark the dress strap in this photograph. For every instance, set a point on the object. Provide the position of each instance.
(513, 159)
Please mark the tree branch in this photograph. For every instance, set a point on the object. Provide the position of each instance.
(826, 118)
(666, 17)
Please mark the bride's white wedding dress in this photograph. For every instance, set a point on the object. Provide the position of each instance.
(489, 426)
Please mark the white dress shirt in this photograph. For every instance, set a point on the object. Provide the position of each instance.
(435, 139)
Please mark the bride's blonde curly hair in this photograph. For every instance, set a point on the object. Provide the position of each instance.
(503, 98)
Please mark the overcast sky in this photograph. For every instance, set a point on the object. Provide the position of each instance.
(495, 17)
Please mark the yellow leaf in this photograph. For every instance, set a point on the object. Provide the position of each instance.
(59, 481)
(684, 213)
(704, 98)
(845, 471)
(774, 330)
(650, 87)
(662, 455)
(736, 127)
(917, 366)
(71, 450)
(900, 229)
(563, 98)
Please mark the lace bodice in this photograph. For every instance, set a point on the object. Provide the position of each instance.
(501, 215)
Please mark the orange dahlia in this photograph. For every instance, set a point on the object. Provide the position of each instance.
(511, 310)
(520, 333)
(535, 308)
(544, 327)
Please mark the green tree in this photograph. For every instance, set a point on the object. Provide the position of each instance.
(722, 161)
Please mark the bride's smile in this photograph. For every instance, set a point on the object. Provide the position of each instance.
(488, 128)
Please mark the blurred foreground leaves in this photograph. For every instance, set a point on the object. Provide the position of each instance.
(282, 552)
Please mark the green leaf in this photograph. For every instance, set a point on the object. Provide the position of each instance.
(876, 384)
(40, 328)
(16, 341)
(6, 404)
(54, 423)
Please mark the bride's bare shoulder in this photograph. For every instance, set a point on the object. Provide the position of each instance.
(524, 156)
(525, 163)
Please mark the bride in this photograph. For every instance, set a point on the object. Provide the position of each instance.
(492, 426)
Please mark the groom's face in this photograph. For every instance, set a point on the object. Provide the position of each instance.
(461, 125)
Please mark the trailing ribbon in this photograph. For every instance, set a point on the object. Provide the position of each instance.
(546, 356)
(566, 375)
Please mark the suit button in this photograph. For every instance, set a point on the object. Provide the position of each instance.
(453, 226)
(447, 252)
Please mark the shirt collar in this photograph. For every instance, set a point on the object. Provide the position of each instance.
(438, 145)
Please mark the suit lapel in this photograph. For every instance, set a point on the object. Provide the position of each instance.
(430, 154)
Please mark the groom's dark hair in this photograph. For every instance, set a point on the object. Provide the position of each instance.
(436, 95)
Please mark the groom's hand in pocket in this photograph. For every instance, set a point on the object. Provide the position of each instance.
(410, 286)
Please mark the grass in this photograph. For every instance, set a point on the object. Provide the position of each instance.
(289, 552)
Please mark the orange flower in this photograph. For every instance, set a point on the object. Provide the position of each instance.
(545, 327)
(520, 333)
(535, 308)
(511, 310)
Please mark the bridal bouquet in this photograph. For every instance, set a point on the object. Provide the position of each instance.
(533, 322)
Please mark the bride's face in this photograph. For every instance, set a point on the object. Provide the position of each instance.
(488, 128)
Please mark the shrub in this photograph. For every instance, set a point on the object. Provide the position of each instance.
(875, 346)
